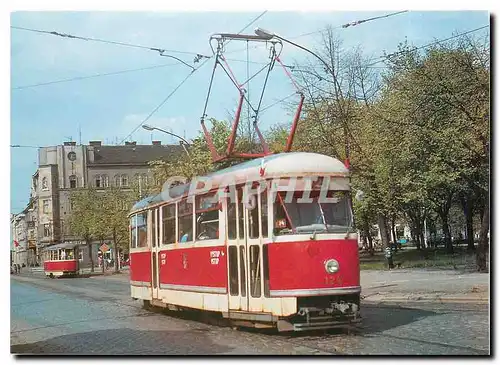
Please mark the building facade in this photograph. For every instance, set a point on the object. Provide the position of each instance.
(65, 168)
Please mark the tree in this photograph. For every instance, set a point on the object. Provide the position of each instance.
(85, 217)
(117, 204)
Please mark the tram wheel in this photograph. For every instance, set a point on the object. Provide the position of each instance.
(146, 304)
(51, 276)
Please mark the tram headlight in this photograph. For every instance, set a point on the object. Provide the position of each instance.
(331, 266)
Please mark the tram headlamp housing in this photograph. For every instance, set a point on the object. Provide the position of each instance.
(331, 266)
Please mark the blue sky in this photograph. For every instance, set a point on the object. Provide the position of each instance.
(108, 108)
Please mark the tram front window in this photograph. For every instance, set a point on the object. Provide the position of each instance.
(295, 216)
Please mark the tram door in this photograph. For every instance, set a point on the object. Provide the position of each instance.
(254, 253)
(155, 251)
(244, 254)
(237, 253)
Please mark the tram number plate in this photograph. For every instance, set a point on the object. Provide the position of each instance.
(214, 257)
(332, 280)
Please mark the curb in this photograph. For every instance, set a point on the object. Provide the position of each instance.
(427, 300)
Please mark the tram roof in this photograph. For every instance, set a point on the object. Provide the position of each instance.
(282, 164)
(61, 246)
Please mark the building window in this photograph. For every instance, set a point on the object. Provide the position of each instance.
(124, 180)
(45, 207)
(46, 230)
(101, 181)
(98, 181)
(45, 185)
(117, 180)
(72, 181)
(144, 179)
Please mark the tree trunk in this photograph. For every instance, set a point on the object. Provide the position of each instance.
(482, 247)
(370, 245)
(382, 226)
(393, 231)
(89, 244)
(467, 207)
(115, 250)
(367, 236)
(447, 233)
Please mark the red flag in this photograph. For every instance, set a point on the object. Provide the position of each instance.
(16, 244)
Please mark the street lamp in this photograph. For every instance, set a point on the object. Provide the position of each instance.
(183, 142)
(266, 34)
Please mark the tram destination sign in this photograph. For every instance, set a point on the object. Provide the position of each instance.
(104, 248)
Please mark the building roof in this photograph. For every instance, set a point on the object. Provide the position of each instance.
(133, 154)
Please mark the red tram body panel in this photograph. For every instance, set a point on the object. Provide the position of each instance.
(299, 267)
(194, 268)
(61, 266)
(140, 268)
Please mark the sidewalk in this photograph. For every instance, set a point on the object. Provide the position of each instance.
(413, 285)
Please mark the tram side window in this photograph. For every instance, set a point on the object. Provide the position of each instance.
(231, 217)
(168, 224)
(207, 217)
(255, 271)
(233, 270)
(70, 254)
(153, 227)
(133, 232)
(241, 221)
(263, 213)
(185, 221)
(142, 229)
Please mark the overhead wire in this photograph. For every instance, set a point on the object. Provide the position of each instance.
(125, 44)
(337, 27)
(92, 76)
(163, 102)
(383, 58)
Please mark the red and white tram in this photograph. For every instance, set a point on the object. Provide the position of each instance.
(60, 260)
(284, 257)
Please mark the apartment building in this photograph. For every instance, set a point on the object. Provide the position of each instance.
(64, 168)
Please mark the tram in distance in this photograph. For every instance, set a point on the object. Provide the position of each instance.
(264, 260)
(60, 260)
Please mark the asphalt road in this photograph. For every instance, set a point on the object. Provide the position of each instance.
(97, 316)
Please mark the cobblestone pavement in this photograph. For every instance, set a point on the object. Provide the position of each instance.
(97, 316)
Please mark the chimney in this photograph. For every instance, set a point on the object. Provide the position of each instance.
(95, 143)
(130, 143)
(156, 143)
(70, 143)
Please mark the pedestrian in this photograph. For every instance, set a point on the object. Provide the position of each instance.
(19, 268)
(388, 256)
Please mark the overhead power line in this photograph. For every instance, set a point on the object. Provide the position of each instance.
(162, 51)
(382, 58)
(160, 105)
(183, 81)
(92, 76)
(354, 23)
